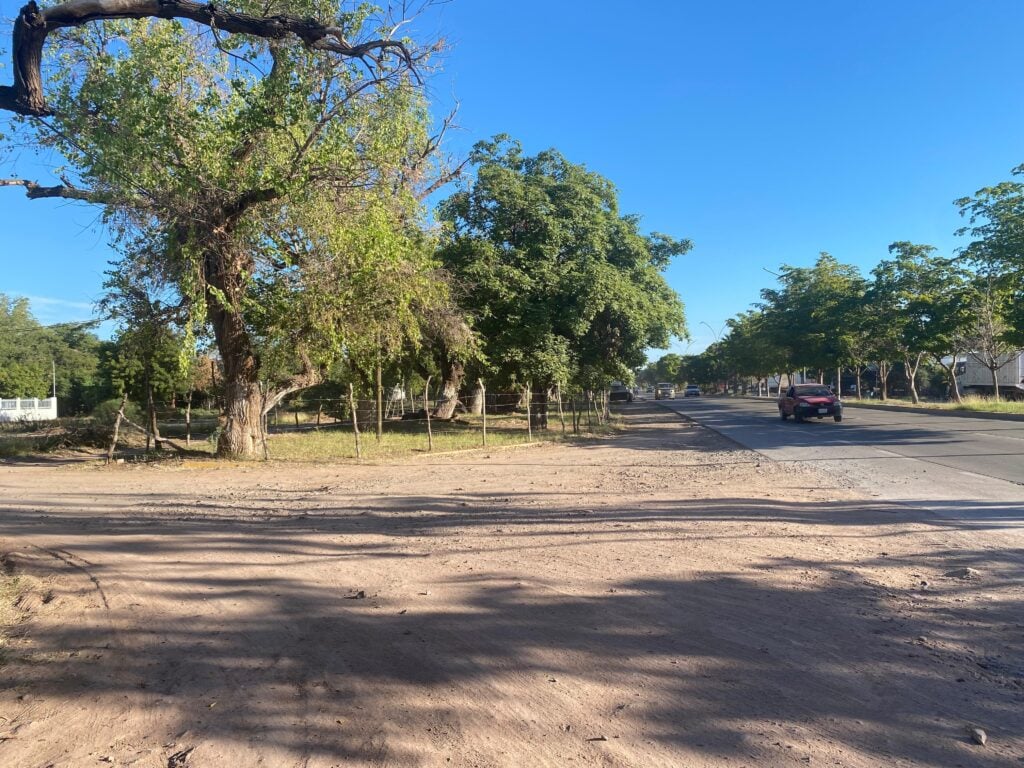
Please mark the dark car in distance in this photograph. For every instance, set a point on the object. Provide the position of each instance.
(810, 401)
(620, 393)
(692, 390)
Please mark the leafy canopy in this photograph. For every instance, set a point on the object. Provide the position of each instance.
(562, 286)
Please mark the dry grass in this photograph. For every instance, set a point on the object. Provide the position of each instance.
(970, 403)
(329, 442)
(404, 438)
(11, 588)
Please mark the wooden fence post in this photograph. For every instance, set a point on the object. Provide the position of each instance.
(426, 408)
(483, 408)
(380, 398)
(561, 414)
(355, 420)
(529, 420)
(188, 420)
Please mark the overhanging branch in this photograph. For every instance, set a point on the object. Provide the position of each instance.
(34, 191)
(33, 25)
(309, 377)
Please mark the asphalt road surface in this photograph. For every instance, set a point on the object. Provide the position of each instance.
(962, 468)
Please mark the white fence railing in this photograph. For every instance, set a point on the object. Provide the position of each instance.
(28, 409)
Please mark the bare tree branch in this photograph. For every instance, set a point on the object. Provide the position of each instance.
(33, 25)
(441, 180)
(34, 191)
(432, 145)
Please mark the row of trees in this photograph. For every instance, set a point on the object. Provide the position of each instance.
(71, 361)
(263, 179)
(916, 306)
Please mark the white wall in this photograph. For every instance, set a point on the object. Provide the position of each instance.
(28, 409)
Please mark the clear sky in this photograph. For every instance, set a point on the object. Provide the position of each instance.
(763, 131)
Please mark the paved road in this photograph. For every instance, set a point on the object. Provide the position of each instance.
(966, 468)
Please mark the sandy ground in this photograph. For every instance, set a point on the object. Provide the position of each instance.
(656, 599)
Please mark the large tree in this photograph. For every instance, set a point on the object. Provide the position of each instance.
(810, 316)
(562, 286)
(996, 223)
(265, 163)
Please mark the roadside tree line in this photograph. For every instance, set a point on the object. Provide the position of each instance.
(917, 309)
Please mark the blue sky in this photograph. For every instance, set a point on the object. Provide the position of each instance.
(763, 131)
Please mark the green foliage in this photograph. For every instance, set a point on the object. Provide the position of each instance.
(261, 188)
(996, 222)
(808, 318)
(666, 368)
(561, 285)
(105, 414)
(922, 302)
(31, 352)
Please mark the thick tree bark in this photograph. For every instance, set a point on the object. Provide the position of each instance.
(242, 432)
(453, 372)
(242, 423)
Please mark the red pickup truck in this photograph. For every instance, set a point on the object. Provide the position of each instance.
(810, 401)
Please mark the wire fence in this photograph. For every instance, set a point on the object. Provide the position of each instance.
(475, 416)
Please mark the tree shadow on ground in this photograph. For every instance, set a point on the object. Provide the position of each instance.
(719, 664)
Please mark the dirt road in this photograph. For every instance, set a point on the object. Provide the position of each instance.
(661, 598)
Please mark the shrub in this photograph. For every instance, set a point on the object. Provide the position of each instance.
(105, 413)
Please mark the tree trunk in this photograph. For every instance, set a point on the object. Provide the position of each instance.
(453, 372)
(241, 434)
(954, 386)
(910, 373)
(539, 408)
(117, 428)
(476, 403)
(995, 382)
(152, 428)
